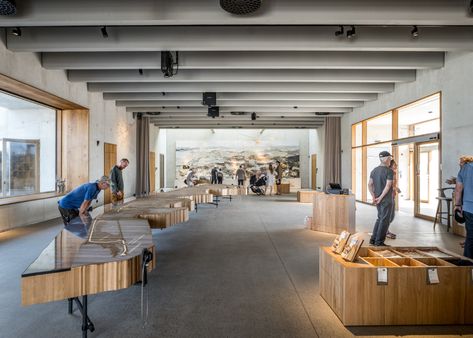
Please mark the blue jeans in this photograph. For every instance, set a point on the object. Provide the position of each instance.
(382, 222)
(468, 250)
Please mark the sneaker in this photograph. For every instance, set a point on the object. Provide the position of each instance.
(381, 244)
(391, 235)
(371, 242)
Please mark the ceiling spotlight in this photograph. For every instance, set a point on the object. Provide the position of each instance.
(104, 32)
(140, 71)
(351, 33)
(341, 30)
(295, 107)
(16, 31)
(253, 116)
(163, 93)
(415, 31)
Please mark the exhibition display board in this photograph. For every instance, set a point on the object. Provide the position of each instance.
(398, 286)
(333, 213)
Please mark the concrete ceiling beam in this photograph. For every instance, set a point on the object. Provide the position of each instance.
(238, 38)
(247, 75)
(246, 60)
(225, 103)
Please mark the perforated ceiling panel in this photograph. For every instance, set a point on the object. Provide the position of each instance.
(240, 7)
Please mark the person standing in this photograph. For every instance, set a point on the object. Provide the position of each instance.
(241, 175)
(77, 202)
(270, 179)
(464, 200)
(190, 178)
(396, 191)
(213, 175)
(220, 176)
(116, 181)
(381, 186)
(279, 173)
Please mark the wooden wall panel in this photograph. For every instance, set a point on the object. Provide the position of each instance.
(152, 171)
(75, 147)
(110, 159)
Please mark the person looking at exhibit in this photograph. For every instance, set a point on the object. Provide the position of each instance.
(116, 181)
(396, 191)
(189, 181)
(464, 200)
(78, 201)
(219, 176)
(241, 175)
(279, 173)
(213, 175)
(381, 186)
(270, 179)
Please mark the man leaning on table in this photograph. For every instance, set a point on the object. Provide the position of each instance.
(464, 200)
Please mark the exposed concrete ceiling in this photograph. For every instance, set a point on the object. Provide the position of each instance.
(284, 62)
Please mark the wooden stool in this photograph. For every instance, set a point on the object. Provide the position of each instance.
(439, 215)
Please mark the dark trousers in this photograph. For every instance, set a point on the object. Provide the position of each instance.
(468, 250)
(240, 182)
(214, 180)
(382, 222)
(219, 180)
(68, 214)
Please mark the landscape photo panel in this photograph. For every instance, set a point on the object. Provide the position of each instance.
(229, 155)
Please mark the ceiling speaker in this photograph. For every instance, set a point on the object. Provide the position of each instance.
(7, 7)
(240, 7)
(209, 99)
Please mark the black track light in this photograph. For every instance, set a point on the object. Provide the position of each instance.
(351, 33)
(341, 30)
(253, 116)
(104, 32)
(140, 71)
(414, 32)
(16, 31)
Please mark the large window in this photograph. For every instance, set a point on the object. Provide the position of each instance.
(27, 146)
(371, 136)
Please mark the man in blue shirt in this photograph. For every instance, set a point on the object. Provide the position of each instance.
(464, 200)
(77, 202)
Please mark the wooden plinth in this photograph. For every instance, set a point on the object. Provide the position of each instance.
(305, 196)
(284, 188)
(333, 213)
(354, 294)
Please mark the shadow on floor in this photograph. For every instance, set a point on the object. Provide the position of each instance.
(410, 330)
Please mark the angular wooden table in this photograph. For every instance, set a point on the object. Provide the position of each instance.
(88, 258)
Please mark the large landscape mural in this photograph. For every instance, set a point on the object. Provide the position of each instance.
(229, 155)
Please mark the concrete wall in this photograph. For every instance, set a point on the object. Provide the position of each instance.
(107, 123)
(300, 136)
(455, 81)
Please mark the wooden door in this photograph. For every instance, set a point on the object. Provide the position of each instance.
(161, 170)
(110, 159)
(314, 171)
(152, 171)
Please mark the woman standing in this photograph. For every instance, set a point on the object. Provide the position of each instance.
(270, 178)
(396, 190)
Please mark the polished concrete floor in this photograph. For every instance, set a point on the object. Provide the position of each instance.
(245, 269)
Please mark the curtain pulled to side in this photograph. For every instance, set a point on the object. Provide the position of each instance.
(142, 155)
(332, 151)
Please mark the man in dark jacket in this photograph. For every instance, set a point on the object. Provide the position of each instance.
(116, 181)
(213, 175)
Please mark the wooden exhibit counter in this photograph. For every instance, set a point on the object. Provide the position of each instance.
(305, 195)
(333, 213)
(398, 286)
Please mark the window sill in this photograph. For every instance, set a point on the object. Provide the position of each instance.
(27, 198)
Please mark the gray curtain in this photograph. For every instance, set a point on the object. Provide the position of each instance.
(142, 155)
(332, 151)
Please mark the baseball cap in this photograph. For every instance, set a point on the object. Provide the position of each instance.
(384, 154)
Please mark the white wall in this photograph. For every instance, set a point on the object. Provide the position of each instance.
(455, 81)
(205, 135)
(107, 123)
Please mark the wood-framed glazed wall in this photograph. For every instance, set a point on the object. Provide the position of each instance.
(395, 149)
(72, 136)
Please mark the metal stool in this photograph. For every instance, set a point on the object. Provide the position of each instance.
(439, 215)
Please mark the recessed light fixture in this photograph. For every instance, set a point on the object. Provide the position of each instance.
(341, 31)
(415, 31)
(351, 33)
(16, 31)
(104, 32)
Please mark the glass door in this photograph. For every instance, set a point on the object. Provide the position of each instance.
(427, 166)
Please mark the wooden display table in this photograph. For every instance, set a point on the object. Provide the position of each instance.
(333, 213)
(409, 297)
(284, 188)
(306, 196)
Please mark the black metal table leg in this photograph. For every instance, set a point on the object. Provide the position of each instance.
(87, 324)
(69, 306)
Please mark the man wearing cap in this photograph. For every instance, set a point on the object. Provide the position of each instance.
(116, 181)
(380, 187)
(77, 202)
(464, 201)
